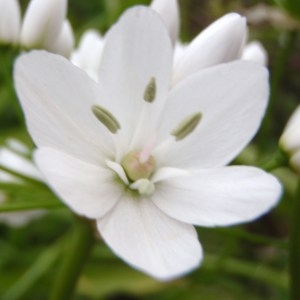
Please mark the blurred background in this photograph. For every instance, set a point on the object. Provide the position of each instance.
(246, 262)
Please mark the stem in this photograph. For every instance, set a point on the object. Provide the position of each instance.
(295, 247)
(75, 256)
(9, 207)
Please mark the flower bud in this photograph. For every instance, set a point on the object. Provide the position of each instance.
(64, 44)
(10, 21)
(42, 23)
(290, 140)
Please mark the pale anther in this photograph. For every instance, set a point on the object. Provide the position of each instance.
(106, 118)
(150, 91)
(186, 126)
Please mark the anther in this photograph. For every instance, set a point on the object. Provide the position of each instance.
(150, 91)
(106, 118)
(187, 126)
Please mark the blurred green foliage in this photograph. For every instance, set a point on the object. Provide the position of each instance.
(245, 262)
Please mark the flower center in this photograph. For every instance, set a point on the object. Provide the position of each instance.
(137, 167)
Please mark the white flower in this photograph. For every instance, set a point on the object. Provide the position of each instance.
(144, 161)
(10, 20)
(290, 139)
(88, 54)
(254, 51)
(12, 157)
(223, 41)
(43, 22)
(64, 42)
(169, 11)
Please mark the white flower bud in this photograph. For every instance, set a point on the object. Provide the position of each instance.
(10, 21)
(89, 52)
(255, 52)
(42, 23)
(64, 44)
(290, 139)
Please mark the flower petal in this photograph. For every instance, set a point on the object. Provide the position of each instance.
(255, 52)
(137, 49)
(232, 99)
(290, 140)
(10, 21)
(149, 240)
(169, 11)
(18, 163)
(57, 99)
(221, 42)
(89, 52)
(87, 189)
(217, 197)
(42, 23)
(295, 161)
(64, 43)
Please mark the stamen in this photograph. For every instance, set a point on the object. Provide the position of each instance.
(187, 126)
(106, 118)
(150, 91)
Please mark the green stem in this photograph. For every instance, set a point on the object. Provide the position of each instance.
(295, 247)
(10, 207)
(75, 256)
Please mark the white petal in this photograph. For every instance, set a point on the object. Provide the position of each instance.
(150, 241)
(295, 161)
(232, 99)
(57, 99)
(42, 23)
(290, 139)
(18, 163)
(136, 49)
(169, 11)
(8, 178)
(64, 43)
(167, 173)
(10, 21)
(220, 42)
(255, 52)
(89, 190)
(17, 146)
(217, 197)
(89, 53)
(179, 51)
